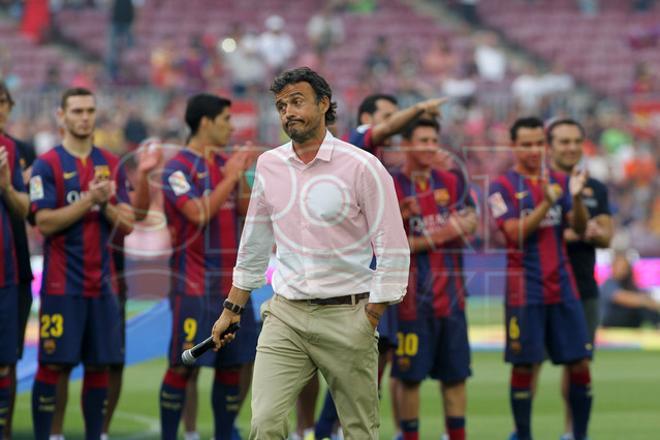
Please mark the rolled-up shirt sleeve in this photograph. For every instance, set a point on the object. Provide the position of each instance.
(257, 240)
(378, 201)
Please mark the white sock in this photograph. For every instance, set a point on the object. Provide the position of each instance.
(104, 436)
(56, 437)
(191, 435)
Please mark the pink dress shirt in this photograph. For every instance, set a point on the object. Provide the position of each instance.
(327, 218)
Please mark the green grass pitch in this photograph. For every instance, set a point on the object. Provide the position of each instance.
(626, 390)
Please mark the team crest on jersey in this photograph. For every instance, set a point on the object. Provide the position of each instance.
(403, 363)
(587, 192)
(102, 172)
(441, 196)
(178, 183)
(22, 163)
(188, 346)
(49, 346)
(497, 204)
(36, 188)
(556, 188)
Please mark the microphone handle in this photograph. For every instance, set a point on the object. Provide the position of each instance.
(194, 353)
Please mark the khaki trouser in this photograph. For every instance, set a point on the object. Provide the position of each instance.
(296, 340)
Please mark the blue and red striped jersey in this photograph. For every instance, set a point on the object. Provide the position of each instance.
(361, 137)
(436, 282)
(78, 259)
(203, 257)
(8, 269)
(538, 271)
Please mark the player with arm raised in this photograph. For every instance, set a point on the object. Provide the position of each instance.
(533, 206)
(379, 119)
(79, 198)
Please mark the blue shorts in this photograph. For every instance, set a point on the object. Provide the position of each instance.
(75, 328)
(560, 330)
(435, 347)
(192, 321)
(387, 328)
(9, 325)
(24, 307)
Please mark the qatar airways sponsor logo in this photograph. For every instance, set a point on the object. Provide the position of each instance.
(552, 217)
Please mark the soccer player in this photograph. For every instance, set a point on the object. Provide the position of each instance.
(13, 202)
(532, 207)
(379, 118)
(566, 139)
(201, 205)
(25, 156)
(432, 329)
(80, 201)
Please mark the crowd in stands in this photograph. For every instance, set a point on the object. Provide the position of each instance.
(489, 83)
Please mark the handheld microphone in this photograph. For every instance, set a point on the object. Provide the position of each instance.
(191, 355)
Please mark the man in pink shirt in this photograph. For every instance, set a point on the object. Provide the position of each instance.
(329, 207)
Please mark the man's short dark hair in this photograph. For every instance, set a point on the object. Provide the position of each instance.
(75, 91)
(4, 91)
(318, 83)
(562, 121)
(420, 122)
(526, 122)
(369, 104)
(204, 105)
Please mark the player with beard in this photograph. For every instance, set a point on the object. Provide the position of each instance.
(566, 139)
(79, 197)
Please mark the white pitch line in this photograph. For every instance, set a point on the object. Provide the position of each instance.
(152, 424)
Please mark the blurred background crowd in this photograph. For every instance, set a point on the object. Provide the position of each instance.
(595, 60)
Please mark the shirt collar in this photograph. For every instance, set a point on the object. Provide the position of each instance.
(324, 153)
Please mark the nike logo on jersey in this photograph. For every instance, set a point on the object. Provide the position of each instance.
(69, 175)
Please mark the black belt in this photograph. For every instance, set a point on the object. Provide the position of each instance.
(337, 300)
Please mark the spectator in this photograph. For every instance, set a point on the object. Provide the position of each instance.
(490, 58)
(528, 90)
(379, 59)
(163, 69)
(588, 8)
(247, 67)
(275, 45)
(52, 82)
(440, 60)
(193, 65)
(469, 11)
(121, 34)
(644, 80)
(557, 81)
(625, 305)
(325, 29)
(86, 77)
